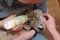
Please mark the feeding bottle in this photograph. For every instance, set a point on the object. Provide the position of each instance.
(15, 21)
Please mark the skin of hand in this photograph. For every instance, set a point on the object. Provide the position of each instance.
(8, 18)
(25, 35)
(49, 22)
(51, 26)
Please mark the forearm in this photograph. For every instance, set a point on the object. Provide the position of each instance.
(55, 34)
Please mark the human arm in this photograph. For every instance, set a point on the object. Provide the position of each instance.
(51, 26)
(55, 34)
(25, 35)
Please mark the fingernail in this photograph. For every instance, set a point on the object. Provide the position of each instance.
(46, 17)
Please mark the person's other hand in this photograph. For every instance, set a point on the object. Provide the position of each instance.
(18, 27)
(25, 35)
(49, 22)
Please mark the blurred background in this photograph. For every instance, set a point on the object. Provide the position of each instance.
(54, 10)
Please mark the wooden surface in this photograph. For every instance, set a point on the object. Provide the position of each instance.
(59, 2)
(54, 10)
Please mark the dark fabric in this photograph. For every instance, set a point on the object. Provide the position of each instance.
(42, 6)
(18, 8)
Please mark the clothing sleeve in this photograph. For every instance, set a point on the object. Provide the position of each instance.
(42, 6)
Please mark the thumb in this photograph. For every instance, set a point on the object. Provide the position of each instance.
(30, 34)
(25, 35)
(10, 17)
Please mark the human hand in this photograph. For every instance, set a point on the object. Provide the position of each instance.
(51, 26)
(25, 35)
(49, 22)
(12, 29)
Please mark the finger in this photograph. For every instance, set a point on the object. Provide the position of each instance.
(46, 16)
(49, 15)
(45, 22)
(25, 35)
(10, 17)
(17, 27)
(50, 18)
(30, 34)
